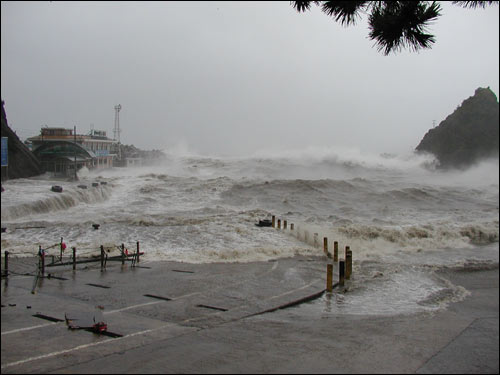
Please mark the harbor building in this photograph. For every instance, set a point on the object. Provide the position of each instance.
(60, 150)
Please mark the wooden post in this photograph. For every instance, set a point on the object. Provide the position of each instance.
(137, 251)
(274, 221)
(341, 272)
(348, 263)
(325, 245)
(335, 251)
(74, 258)
(102, 258)
(329, 277)
(284, 224)
(123, 254)
(291, 226)
(279, 223)
(6, 270)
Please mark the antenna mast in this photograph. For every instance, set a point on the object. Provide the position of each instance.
(117, 130)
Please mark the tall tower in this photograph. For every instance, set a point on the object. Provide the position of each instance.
(117, 123)
(117, 131)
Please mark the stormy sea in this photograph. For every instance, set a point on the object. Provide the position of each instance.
(402, 218)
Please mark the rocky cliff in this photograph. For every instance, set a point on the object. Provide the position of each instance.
(22, 162)
(468, 135)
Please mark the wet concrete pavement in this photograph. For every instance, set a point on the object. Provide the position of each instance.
(173, 317)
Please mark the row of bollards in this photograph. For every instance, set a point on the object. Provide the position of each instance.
(345, 270)
(345, 265)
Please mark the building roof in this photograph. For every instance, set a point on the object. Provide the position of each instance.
(62, 149)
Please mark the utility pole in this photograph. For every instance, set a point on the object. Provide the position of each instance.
(74, 139)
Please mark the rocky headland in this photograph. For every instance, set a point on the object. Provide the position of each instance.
(468, 135)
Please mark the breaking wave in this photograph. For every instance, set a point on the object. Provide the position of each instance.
(402, 219)
(377, 204)
(54, 202)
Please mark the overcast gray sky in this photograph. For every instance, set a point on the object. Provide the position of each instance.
(233, 78)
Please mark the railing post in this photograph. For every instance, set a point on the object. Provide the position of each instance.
(6, 270)
(137, 251)
(123, 254)
(60, 249)
(102, 258)
(39, 259)
(74, 258)
(42, 256)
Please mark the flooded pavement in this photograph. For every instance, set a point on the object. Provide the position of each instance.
(263, 317)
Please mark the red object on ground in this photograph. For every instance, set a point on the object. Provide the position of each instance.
(100, 327)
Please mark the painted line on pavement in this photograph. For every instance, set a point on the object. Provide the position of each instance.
(53, 354)
(28, 328)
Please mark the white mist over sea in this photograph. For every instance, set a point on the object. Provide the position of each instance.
(401, 218)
